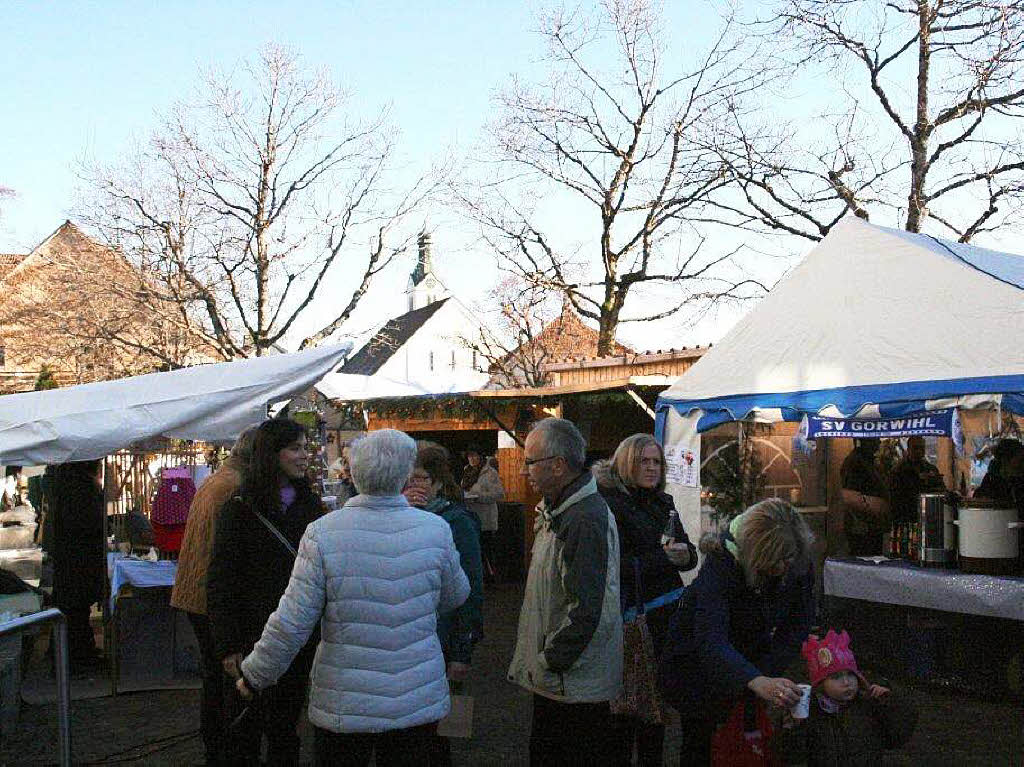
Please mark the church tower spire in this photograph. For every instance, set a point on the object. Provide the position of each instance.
(424, 287)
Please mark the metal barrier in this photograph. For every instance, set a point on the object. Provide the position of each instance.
(60, 631)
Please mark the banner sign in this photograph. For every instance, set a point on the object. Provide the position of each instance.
(931, 423)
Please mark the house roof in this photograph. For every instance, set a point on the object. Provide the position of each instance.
(389, 339)
(568, 336)
(71, 288)
(632, 358)
(66, 242)
(581, 387)
(8, 261)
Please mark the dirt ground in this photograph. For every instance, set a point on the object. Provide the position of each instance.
(161, 727)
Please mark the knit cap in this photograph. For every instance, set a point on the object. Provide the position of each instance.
(828, 656)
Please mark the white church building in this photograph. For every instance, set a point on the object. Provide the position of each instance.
(423, 350)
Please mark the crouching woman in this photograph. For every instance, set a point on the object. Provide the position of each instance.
(740, 624)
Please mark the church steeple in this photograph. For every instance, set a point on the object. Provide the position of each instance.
(423, 265)
(424, 287)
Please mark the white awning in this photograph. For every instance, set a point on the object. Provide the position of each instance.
(347, 387)
(207, 402)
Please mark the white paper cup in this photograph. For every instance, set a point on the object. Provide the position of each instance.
(802, 709)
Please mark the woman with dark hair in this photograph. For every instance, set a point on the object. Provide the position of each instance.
(632, 483)
(257, 534)
(74, 499)
(740, 624)
(471, 471)
(433, 488)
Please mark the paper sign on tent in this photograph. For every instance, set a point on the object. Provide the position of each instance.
(682, 464)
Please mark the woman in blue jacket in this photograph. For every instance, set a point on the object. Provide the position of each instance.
(740, 624)
(433, 488)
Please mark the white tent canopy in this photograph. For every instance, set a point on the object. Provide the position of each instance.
(871, 316)
(874, 322)
(358, 388)
(208, 402)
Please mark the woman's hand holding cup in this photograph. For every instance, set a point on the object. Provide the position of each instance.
(416, 496)
(778, 691)
(802, 709)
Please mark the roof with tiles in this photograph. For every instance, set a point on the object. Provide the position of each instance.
(52, 303)
(10, 260)
(630, 357)
(568, 335)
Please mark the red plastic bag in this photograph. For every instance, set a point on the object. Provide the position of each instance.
(743, 741)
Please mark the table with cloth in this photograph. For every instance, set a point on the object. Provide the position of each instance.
(151, 642)
(960, 630)
(139, 573)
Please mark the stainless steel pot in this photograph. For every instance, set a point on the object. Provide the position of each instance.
(988, 540)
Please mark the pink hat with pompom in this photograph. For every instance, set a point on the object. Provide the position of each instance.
(828, 656)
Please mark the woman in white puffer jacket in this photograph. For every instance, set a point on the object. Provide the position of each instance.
(378, 572)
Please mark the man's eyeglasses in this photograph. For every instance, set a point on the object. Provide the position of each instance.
(532, 461)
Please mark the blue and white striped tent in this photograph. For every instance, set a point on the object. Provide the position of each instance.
(874, 322)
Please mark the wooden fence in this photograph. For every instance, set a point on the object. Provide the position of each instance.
(131, 477)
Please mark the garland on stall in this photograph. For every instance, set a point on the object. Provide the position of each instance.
(426, 407)
(605, 399)
(463, 407)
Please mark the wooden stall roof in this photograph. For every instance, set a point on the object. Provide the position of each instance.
(585, 387)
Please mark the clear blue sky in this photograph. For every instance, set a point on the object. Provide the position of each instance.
(85, 77)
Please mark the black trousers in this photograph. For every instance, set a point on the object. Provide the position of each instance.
(695, 745)
(394, 748)
(569, 733)
(212, 704)
(439, 752)
(648, 739)
(81, 640)
(275, 715)
(488, 550)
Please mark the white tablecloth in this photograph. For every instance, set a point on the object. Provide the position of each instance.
(139, 573)
(897, 582)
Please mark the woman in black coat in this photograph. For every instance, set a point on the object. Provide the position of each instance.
(248, 573)
(740, 624)
(633, 485)
(75, 506)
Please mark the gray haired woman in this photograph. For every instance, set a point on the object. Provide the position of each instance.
(376, 572)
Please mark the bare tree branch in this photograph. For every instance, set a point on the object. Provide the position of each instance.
(625, 139)
(950, 152)
(247, 199)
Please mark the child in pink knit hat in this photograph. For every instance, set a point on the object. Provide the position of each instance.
(850, 721)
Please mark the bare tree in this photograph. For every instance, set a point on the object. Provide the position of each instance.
(513, 344)
(621, 137)
(244, 199)
(926, 97)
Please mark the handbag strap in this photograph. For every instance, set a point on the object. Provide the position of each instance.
(277, 533)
